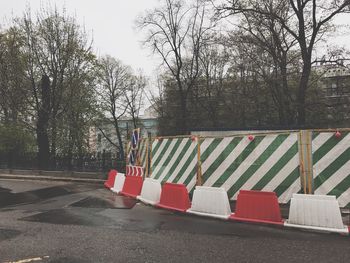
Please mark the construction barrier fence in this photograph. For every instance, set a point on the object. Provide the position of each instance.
(174, 160)
(264, 162)
(331, 165)
(309, 162)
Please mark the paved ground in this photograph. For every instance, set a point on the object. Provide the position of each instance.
(65, 222)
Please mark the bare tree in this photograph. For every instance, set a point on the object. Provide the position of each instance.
(114, 80)
(176, 32)
(209, 91)
(269, 36)
(305, 20)
(134, 94)
(156, 96)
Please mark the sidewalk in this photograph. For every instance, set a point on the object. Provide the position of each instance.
(49, 178)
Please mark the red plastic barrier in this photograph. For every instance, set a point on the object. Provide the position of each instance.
(257, 206)
(134, 170)
(139, 171)
(128, 170)
(174, 197)
(132, 186)
(110, 180)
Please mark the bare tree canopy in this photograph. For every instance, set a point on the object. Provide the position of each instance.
(176, 32)
(120, 94)
(305, 20)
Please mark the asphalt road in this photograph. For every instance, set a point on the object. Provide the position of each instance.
(65, 222)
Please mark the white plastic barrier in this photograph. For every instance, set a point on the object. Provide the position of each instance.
(210, 201)
(151, 190)
(318, 212)
(118, 183)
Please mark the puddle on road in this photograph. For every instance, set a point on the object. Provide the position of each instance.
(4, 190)
(10, 199)
(94, 217)
(8, 233)
(59, 217)
(113, 202)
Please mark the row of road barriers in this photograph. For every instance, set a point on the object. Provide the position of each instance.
(309, 162)
(306, 211)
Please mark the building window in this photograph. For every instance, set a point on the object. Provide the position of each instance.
(333, 90)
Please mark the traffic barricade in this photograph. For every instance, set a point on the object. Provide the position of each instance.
(151, 190)
(210, 201)
(257, 207)
(132, 186)
(317, 212)
(118, 183)
(110, 180)
(174, 197)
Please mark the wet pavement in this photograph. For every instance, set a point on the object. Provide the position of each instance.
(8, 233)
(65, 222)
(114, 201)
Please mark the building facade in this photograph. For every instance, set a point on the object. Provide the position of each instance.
(104, 140)
(335, 86)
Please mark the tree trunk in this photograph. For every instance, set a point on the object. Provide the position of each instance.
(120, 141)
(243, 99)
(53, 141)
(43, 123)
(183, 121)
(286, 96)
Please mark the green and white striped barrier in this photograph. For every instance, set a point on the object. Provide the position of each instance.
(269, 162)
(264, 162)
(142, 152)
(331, 165)
(174, 160)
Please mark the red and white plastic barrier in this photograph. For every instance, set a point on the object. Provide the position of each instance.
(110, 180)
(317, 212)
(118, 183)
(134, 170)
(210, 201)
(132, 186)
(174, 197)
(257, 207)
(151, 190)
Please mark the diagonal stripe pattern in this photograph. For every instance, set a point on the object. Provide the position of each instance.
(331, 165)
(142, 152)
(269, 163)
(174, 160)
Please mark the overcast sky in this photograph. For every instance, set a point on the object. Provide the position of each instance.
(111, 22)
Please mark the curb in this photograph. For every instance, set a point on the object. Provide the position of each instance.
(50, 178)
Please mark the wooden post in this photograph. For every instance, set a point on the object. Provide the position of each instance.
(309, 161)
(127, 144)
(199, 164)
(150, 158)
(146, 158)
(305, 157)
(301, 161)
